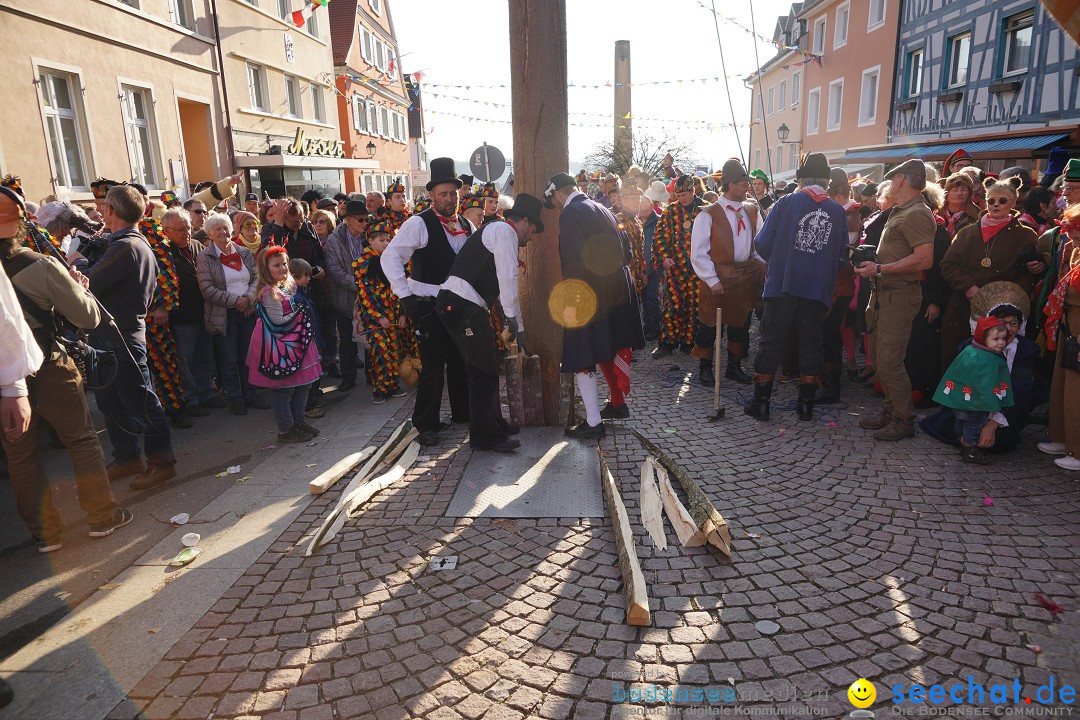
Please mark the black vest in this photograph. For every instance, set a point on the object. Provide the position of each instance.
(475, 265)
(431, 264)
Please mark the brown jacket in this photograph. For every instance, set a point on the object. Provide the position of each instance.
(743, 282)
(212, 283)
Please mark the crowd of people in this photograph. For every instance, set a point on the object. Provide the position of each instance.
(960, 287)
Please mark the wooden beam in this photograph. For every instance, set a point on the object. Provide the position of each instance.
(652, 507)
(338, 470)
(541, 149)
(634, 590)
(685, 528)
(701, 508)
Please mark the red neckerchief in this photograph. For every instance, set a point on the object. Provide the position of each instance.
(231, 260)
(953, 218)
(817, 195)
(735, 209)
(1055, 305)
(990, 228)
(446, 224)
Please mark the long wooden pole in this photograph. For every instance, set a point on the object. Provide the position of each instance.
(541, 149)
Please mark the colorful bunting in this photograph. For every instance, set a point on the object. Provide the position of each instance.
(299, 17)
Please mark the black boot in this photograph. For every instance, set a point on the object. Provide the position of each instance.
(758, 408)
(807, 392)
(830, 385)
(705, 373)
(735, 372)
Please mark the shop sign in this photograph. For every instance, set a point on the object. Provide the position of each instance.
(315, 146)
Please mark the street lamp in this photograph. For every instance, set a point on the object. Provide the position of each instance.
(371, 150)
(783, 132)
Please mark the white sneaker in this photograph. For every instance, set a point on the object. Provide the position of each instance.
(1052, 448)
(1068, 463)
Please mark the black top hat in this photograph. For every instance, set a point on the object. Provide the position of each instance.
(815, 166)
(558, 180)
(528, 207)
(355, 207)
(442, 171)
(466, 179)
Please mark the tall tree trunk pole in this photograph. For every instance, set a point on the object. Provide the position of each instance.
(541, 149)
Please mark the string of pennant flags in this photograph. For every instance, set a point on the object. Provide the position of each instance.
(584, 86)
(700, 124)
(810, 57)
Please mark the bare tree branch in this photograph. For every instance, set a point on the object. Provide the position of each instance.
(646, 151)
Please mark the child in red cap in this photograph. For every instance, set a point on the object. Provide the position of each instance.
(976, 385)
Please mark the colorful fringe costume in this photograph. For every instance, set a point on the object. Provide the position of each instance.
(395, 219)
(632, 226)
(375, 300)
(679, 299)
(160, 345)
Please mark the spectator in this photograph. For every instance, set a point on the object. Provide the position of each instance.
(194, 346)
(311, 199)
(246, 227)
(1040, 209)
(44, 288)
(196, 210)
(905, 251)
(124, 280)
(375, 201)
(1063, 321)
(326, 205)
(1025, 181)
(959, 211)
(324, 223)
(341, 199)
(344, 247)
(999, 247)
(227, 278)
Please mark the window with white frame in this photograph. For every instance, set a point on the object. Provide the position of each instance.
(793, 157)
(779, 166)
(366, 50)
(284, 9)
(843, 13)
(183, 13)
(868, 97)
(959, 54)
(292, 97)
(312, 25)
(1017, 43)
(141, 139)
(877, 15)
(772, 94)
(757, 158)
(253, 2)
(65, 126)
(380, 55)
(914, 73)
(757, 103)
(257, 87)
(373, 118)
(836, 104)
(376, 6)
(813, 111)
(384, 122)
(796, 89)
(317, 108)
(782, 99)
(391, 66)
(819, 35)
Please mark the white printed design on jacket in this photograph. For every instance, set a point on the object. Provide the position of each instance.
(814, 230)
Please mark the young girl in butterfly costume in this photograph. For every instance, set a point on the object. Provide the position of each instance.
(283, 354)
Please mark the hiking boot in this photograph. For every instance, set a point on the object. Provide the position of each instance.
(758, 408)
(295, 434)
(807, 392)
(614, 412)
(153, 476)
(585, 431)
(735, 372)
(309, 429)
(876, 422)
(830, 384)
(119, 470)
(121, 517)
(896, 430)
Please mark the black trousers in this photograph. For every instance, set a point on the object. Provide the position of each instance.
(347, 354)
(438, 355)
(738, 338)
(832, 336)
(470, 327)
(784, 315)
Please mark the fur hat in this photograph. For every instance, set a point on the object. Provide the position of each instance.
(959, 178)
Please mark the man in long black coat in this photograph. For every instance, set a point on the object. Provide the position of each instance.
(601, 320)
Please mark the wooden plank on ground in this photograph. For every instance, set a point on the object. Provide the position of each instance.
(634, 590)
(652, 507)
(704, 514)
(365, 492)
(339, 470)
(685, 529)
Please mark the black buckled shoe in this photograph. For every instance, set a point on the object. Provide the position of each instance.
(614, 412)
(585, 431)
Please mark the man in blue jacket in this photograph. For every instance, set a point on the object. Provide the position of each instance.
(803, 241)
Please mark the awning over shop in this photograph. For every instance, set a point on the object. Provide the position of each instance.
(899, 153)
(302, 161)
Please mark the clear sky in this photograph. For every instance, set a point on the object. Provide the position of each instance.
(468, 44)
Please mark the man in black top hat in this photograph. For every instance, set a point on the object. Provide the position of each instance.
(600, 317)
(431, 240)
(486, 273)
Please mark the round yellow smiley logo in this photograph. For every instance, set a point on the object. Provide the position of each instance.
(862, 693)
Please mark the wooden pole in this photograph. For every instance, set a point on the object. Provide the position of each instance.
(541, 149)
(716, 360)
(624, 137)
(634, 589)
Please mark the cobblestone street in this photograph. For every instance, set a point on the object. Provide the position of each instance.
(891, 562)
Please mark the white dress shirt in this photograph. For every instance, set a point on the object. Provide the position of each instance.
(412, 236)
(700, 240)
(236, 281)
(502, 240)
(20, 354)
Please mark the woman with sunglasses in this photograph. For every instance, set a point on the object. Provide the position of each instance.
(998, 247)
(247, 231)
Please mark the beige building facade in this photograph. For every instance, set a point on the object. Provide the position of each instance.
(121, 89)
